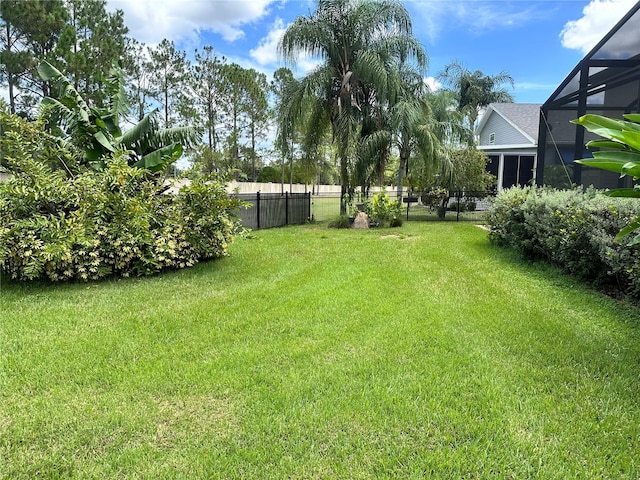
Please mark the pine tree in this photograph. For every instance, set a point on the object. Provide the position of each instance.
(169, 82)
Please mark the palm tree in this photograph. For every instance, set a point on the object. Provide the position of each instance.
(475, 90)
(359, 42)
(421, 125)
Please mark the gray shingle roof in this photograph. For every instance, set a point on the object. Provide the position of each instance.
(526, 116)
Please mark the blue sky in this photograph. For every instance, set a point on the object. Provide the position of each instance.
(537, 42)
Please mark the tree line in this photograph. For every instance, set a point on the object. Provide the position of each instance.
(365, 116)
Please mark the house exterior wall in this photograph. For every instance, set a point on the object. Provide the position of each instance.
(505, 134)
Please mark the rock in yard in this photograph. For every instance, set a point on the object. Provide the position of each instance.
(361, 220)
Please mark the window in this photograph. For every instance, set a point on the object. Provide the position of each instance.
(492, 138)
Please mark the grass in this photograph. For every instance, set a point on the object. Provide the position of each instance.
(421, 352)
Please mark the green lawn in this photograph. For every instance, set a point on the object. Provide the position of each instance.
(421, 352)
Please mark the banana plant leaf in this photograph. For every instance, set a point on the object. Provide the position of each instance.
(632, 139)
(133, 137)
(623, 193)
(48, 72)
(624, 163)
(605, 127)
(633, 226)
(606, 144)
(104, 141)
(160, 159)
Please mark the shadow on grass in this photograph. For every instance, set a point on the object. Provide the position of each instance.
(19, 288)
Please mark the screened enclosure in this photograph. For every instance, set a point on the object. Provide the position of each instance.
(606, 82)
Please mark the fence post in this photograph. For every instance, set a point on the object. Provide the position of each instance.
(286, 208)
(459, 197)
(258, 209)
(308, 206)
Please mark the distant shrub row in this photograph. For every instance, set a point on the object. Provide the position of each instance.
(573, 229)
(116, 221)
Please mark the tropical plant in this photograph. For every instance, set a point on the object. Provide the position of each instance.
(97, 132)
(62, 221)
(620, 153)
(475, 89)
(403, 126)
(383, 210)
(359, 43)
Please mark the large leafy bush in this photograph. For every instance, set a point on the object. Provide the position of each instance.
(78, 223)
(573, 229)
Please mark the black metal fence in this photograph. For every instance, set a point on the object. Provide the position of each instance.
(465, 205)
(418, 206)
(269, 210)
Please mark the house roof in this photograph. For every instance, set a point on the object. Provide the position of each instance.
(524, 117)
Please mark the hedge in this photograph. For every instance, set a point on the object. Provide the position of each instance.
(118, 221)
(573, 229)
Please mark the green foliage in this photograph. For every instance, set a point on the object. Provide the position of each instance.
(383, 210)
(424, 354)
(96, 132)
(342, 221)
(475, 89)
(76, 223)
(572, 229)
(362, 46)
(20, 139)
(270, 174)
(620, 153)
(467, 172)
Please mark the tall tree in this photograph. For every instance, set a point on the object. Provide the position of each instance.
(475, 90)
(244, 104)
(257, 114)
(29, 32)
(206, 85)
(357, 41)
(234, 103)
(405, 125)
(97, 44)
(284, 86)
(170, 67)
(137, 67)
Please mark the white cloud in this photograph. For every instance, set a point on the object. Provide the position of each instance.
(267, 50)
(534, 86)
(433, 83)
(599, 16)
(152, 20)
(266, 53)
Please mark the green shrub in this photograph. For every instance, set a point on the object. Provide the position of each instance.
(382, 209)
(395, 222)
(342, 221)
(572, 229)
(116, 221)
(453, 207)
